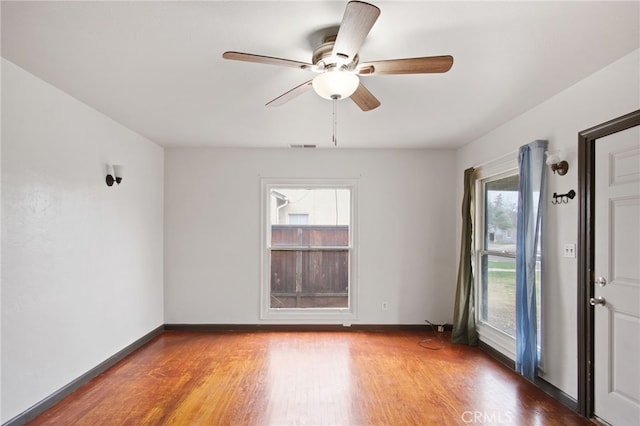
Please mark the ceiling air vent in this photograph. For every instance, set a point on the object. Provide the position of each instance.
(302, 146)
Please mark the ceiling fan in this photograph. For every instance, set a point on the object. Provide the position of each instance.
(338, 65)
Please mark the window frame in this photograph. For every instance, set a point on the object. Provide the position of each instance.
(490, 335)
(307, 315)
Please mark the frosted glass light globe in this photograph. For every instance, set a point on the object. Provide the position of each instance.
(335, 84)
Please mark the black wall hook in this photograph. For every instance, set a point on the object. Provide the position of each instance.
(563, 198)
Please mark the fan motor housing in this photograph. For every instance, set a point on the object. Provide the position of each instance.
(325, 51)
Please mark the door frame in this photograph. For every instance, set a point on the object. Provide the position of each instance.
(586, 239)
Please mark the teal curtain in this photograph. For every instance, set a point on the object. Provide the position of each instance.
(464, 318)
(531, 161)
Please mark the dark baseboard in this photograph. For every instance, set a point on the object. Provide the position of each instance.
(503, 359)
(295, 327)
(65, 391)
(556, 394)
(539, 382)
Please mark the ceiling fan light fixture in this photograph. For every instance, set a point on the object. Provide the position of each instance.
(338, 61)
(335, 84)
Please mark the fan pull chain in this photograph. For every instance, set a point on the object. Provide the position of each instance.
(335, 121)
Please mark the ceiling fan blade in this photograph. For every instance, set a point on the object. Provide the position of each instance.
(357, 21)
(429, 64)
(364, 98)
(286, 97)
(249, 57)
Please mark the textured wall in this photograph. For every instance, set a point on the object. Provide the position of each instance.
(82, 262)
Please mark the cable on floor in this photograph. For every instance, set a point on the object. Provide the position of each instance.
(424, 342)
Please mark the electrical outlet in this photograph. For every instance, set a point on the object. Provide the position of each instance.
(441, 329)
(570, 250)
(385, 306)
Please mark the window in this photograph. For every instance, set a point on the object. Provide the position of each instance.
(495, 260)
(308, 251)
(497, 254)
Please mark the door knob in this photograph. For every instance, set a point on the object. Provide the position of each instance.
(597, 301)
(601, 281)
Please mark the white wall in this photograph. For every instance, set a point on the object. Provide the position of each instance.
(607, 94)
(212, 224)
(82, 265)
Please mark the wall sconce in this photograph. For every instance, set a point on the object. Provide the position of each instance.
(114, 174)
(557, 164)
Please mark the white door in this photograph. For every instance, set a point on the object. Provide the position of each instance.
(617, 278)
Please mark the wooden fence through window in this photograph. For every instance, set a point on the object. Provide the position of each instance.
(309, 266)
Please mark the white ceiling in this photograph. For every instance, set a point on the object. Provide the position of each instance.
(157, 67)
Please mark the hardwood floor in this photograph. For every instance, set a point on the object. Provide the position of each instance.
(307, 378)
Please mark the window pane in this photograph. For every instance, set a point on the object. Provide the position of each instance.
(501, 203)
(321, 206)
(309, 279)
(499, 292)
(310, 247)
(309, 236)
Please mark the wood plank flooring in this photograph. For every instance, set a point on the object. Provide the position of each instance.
(307, 378)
